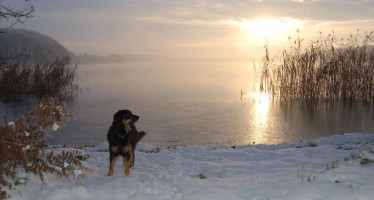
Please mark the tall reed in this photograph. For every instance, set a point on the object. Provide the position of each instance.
(56, 79)
(325, 69)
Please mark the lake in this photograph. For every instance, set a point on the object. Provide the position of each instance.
(196, 104)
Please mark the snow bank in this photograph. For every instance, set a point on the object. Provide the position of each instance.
(320, 169)
(348, 140)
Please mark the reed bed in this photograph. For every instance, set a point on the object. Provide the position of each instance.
(55, 79)
(329, 68)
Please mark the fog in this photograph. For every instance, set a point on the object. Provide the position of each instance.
(189, 30)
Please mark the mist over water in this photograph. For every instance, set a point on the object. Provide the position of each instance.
(182, 104)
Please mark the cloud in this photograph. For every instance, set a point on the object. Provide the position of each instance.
(209, 9)
(183, 27)
(190, 12)
(307, 9)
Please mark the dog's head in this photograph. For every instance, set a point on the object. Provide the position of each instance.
(126, 118)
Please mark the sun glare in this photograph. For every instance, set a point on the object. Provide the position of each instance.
(262, 102)
(260, 116)
(268, 28)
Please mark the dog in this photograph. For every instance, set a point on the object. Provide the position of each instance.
(123, 137)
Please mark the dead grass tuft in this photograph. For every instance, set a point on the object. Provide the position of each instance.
(327, 69)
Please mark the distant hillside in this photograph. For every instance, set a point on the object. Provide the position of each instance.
(30, 46)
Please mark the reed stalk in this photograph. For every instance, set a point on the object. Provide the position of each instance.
(325, 69)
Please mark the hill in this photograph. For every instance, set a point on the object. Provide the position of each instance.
(30, 46)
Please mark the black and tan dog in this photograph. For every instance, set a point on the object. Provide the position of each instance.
(123, 137)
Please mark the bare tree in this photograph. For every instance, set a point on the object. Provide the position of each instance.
(11, 16)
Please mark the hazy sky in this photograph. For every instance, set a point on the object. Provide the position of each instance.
(196, 29)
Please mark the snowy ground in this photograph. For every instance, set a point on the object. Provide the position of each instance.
(320, 169)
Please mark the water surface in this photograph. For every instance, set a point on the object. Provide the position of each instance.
(182, 104)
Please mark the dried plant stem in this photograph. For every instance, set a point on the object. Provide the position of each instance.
(329, 69)
(23, 149)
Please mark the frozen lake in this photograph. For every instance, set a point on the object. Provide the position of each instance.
(182, 104)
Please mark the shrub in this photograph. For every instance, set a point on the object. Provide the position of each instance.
(23, 149)
(56, 79)
(330, 68)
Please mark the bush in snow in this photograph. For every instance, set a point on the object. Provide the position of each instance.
(23, 149)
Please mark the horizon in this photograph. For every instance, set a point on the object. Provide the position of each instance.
(193, 30)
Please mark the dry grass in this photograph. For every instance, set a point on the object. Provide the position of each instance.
(56, 79)
(327, 69)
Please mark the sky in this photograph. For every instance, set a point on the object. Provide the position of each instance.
(206, 30)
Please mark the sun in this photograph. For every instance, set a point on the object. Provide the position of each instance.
(268, 28)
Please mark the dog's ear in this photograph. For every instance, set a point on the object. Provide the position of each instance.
(120, 115)
(134, 118)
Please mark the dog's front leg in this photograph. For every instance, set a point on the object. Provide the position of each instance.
(126, 164)
(132, 156)
(126, 158)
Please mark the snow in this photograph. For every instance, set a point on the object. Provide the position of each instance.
(27, 134)
(11, 124)
(326, 168)
(55, 126)
(27, 147)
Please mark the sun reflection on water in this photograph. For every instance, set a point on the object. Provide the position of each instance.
(260, 116)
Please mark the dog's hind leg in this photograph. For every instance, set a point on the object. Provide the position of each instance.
(132, 158)
(113, 152)
(111, 165)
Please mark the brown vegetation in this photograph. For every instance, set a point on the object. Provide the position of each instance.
(56, 79)
(327, 69)
(23, 149)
